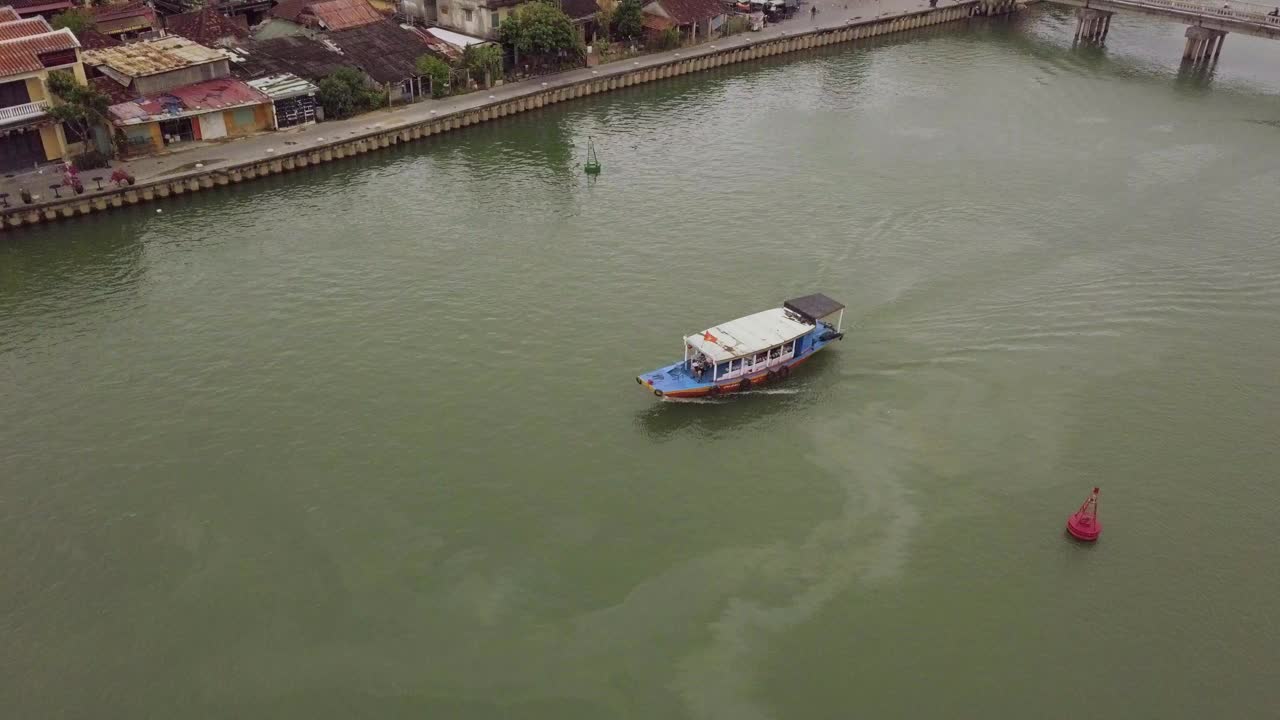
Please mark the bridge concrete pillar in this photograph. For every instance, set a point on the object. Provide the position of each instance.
(1203, 45)
(1092, 25)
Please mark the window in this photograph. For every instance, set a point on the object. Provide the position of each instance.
(468, 14)
(735, 366)
(775, 353)
(761, 357)
(14, 93)
(722, 368)
(749, 362)
(788, 346)
(494, 20)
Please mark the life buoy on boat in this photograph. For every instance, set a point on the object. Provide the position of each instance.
(784, 372)
(744, 385)
(714, 391)
(771, 376)
(657, 392)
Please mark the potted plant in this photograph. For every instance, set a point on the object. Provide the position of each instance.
(71, 179)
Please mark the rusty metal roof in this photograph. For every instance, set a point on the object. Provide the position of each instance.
(22, 55)
(7, 13)
(202, 97)
(150, 57)
(343, 14)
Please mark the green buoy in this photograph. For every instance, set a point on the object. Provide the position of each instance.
(593, 163)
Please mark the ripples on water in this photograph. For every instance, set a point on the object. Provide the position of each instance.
(368, 436)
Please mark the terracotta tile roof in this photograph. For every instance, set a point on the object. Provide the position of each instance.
(7, 13)
(93, 40)
(207, 26)
(107, 13)
(27, 8)
(385, 51)
(684, 12)
(290, 9)
(202, 97)
(344, 14)
(22, 28)
(656, 22)
(116, 92)
(301, 56)
(23, 54)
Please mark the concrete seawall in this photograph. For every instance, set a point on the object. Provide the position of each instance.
(688, 60)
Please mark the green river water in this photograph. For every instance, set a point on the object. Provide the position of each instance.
(364, 441)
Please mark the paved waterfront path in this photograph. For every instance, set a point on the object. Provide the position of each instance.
(214, 155)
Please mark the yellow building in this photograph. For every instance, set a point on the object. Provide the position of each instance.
(29, 50)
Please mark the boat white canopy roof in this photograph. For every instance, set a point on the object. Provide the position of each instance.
(747, 335)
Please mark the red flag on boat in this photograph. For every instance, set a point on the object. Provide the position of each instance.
(709, 337)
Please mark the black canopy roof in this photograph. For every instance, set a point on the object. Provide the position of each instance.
(813, 307)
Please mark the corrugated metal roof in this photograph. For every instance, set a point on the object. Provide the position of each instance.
(750, 334)
(149, 57)
(122, 25)
(343, 14)
(454, 38)
(14, 29)
(7, 13)
(286, 85)
(22, 54)
(108, 13)
(197, 99)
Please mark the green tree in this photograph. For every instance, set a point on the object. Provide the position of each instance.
(437, 70)
(77, 20)
(345, 93)
(628, 19)
(670, 38)
(484, 59)
(539, 28)
(79, 106)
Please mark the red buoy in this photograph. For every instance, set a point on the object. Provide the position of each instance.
(1084, 525)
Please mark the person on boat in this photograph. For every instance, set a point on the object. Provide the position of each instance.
(1274, 13)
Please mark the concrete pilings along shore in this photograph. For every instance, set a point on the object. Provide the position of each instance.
(697, 59)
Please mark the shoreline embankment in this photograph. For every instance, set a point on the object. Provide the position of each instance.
(516, 98)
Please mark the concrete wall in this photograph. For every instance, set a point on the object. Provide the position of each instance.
(54, 148)
(35, 87)
(702, 58)
(153, 84)
(246, 121)
(481, 22)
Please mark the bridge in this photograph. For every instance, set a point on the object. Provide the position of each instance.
(1209, 21)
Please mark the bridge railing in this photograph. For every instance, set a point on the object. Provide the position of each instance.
(1245, 12)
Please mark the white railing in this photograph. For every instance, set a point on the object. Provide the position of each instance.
(23, 111)
(1244, 12)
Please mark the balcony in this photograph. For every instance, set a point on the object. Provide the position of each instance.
(25, 111)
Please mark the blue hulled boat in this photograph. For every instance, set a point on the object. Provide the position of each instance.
(759, 348)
